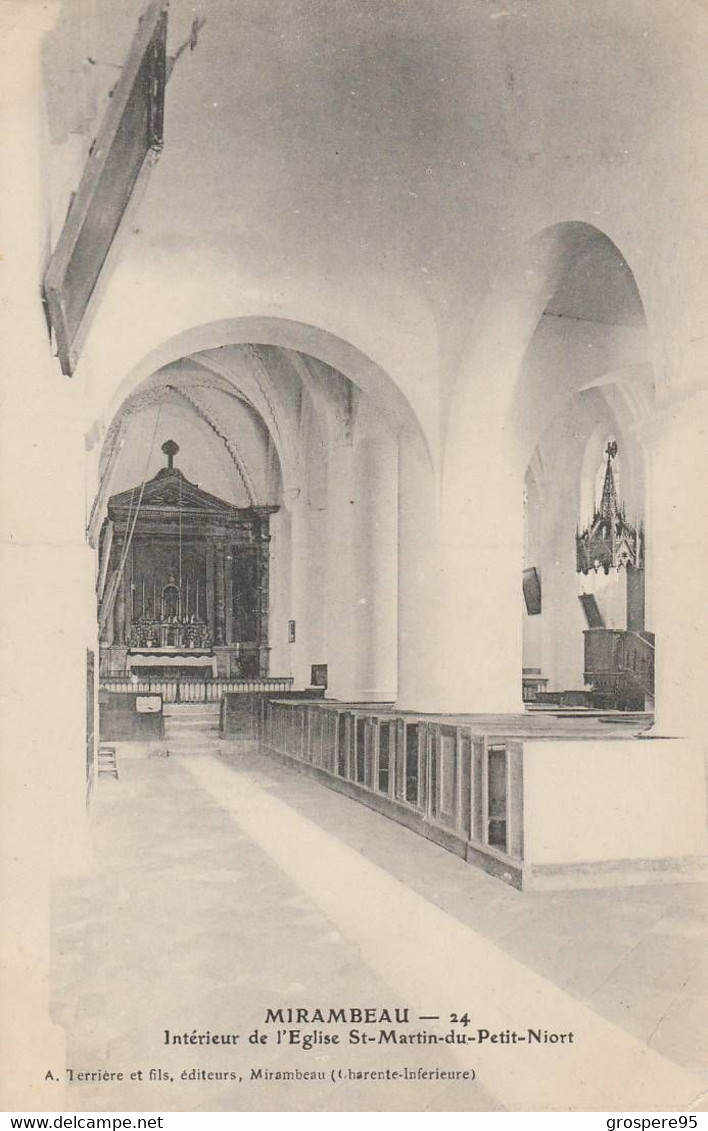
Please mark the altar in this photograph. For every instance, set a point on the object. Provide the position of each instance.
(183, 582)
(171, 661)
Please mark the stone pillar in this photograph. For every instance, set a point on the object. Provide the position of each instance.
(375, 564)
(481, 546)
(420, 659)
(340, 553)
(562, 619)
(677, 551)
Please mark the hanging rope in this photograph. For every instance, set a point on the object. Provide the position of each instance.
(127, 525)
(107, 605)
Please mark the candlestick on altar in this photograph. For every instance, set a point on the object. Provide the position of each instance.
(197, 596)
(187, 613)
(142, 606)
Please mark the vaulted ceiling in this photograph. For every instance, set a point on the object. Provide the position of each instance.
(411, 143)
(240, 414)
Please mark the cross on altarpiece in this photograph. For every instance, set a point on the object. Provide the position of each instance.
(170, 448)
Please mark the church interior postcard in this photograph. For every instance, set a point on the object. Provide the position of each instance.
(354, 447)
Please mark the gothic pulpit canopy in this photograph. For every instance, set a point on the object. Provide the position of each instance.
(609, 541)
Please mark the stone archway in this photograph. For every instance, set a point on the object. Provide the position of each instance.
(364, 372)
(359, 592)
(558, 321)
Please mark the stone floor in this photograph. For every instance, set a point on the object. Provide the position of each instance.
(225, 883)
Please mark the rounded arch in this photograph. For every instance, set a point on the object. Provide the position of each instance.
(302, 338)
(570, 274)
(561, 315)
(171, 388)
(360, 369)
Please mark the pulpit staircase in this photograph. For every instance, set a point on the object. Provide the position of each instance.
(619, 675)
(619, 665)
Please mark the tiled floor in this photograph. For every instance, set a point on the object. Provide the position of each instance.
(198, 915)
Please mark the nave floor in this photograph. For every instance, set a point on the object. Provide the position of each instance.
(225, 883)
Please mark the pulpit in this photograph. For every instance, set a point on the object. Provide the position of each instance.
(187, 590)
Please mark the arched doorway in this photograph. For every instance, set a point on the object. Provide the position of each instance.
(264, 427)
(584, 549)
(559, 347)
(578, 418)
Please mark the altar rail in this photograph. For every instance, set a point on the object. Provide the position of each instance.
(191, 690)
(454, 786)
